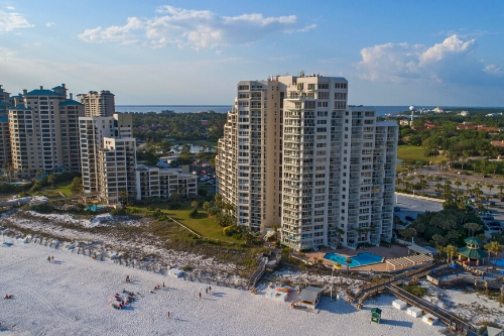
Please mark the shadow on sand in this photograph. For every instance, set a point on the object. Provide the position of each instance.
(219, 294)
(403, 324)
(336, 307)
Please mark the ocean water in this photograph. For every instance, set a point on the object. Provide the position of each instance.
(381, 110)
(175, 108)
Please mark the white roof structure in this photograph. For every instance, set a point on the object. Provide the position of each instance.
(310, 294)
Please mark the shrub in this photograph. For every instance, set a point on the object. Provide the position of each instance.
(416, 290)
(187, 268)
(194, 213)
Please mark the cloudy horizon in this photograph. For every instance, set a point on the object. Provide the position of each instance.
(194, 52)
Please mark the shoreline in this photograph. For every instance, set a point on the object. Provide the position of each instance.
(70, 296)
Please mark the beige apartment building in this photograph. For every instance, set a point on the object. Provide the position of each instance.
(117, 162)
(108, 155)
(164, 183)
(5, 148)
(294, 157)
(98, 104)
(43, 132)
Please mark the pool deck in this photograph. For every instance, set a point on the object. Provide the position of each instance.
(394, 251)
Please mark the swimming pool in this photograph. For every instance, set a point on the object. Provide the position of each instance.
(360, 259)
(499, 262)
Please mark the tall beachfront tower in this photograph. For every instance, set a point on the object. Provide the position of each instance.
(108, 155)
(43, 128)
(293, 156)
(98, 104)
(5, 148)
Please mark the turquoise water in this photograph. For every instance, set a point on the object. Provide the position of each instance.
(499, 262)
(361, 259)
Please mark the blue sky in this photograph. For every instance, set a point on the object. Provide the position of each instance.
(194, 52)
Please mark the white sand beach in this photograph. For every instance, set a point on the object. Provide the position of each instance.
(71, 296)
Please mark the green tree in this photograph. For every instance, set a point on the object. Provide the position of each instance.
(408, 233)
(206, 206)
(472, 228)
(51, 180)
(450, 251)
(438, 240)
(76, 185)
(494, 248)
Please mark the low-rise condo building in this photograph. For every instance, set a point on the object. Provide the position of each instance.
(164, 183)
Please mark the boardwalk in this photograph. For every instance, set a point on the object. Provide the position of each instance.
(378, 288)
(451, 320)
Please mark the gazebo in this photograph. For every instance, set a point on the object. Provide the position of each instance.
(472, 252)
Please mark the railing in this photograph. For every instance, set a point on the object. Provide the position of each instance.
(256, 276)
(450, 319)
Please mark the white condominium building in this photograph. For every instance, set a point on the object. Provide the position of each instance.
(98, 104)
(294, 157)
(4, 100)
(5, 148)
(117, 162)
(164, 183)
(43, 132)
(108, 155)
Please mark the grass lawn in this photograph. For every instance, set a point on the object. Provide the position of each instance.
(204, 224)
(59, 190)
(416, 153)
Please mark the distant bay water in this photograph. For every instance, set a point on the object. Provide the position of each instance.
(380, 110)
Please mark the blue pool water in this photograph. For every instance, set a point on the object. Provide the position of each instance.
(500, 262)
(361, 259)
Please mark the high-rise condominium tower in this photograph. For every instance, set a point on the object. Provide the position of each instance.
(43, 127)
(5, 148)
(108, 155)
(98, 104)
(294, 156)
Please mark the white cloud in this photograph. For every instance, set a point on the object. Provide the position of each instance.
(307, 28)
(451, 45)
(49, 24)
(449, 60)
(493, 70)
(198, 29)
(11, 20)
(119, 34)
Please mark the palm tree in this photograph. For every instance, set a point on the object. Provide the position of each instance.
(490, 187)
(493, 248)
(458, 184)
(472, 228)
(348, 261)
(501, 190)
(450, 251)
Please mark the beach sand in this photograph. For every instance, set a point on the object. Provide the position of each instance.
(72, 296)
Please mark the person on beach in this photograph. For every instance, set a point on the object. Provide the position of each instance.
(168, 315)
(200, 295)
(128, 278)
(49, 258)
